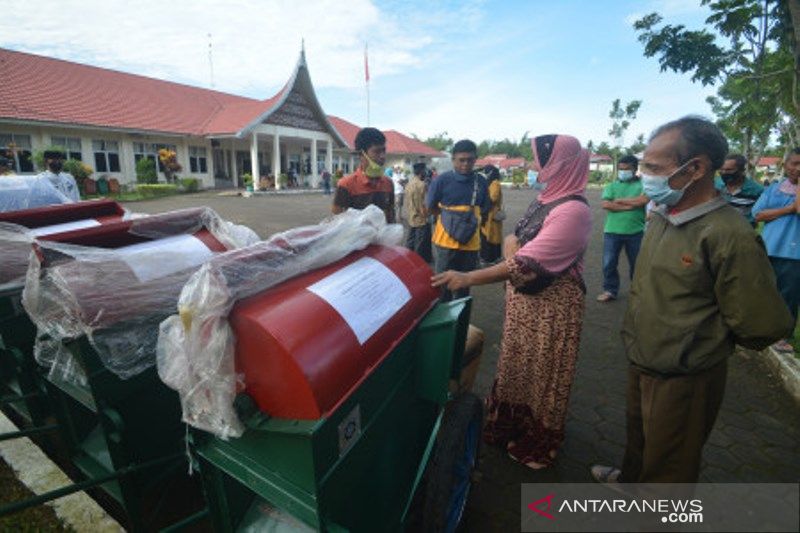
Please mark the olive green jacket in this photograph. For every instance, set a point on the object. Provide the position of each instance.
(702, 284)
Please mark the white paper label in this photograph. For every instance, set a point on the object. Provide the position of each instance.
(65, 227)
(160, 258)
(366, 294)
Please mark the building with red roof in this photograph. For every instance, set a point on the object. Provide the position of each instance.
(501, 161)
(112, 119)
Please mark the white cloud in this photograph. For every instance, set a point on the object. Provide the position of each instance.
(255, 43)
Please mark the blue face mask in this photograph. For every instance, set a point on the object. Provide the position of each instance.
(657, 188)
(625, 175)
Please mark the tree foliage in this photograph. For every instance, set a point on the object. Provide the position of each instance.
(749, 50)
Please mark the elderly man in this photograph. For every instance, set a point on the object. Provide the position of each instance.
(779, 209)
(62, 181)
(367, 185)
(702, 284)
(738, 190)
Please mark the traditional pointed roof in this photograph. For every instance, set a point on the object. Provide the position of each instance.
(35, 88)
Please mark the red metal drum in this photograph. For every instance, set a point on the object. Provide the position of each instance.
(305, 344)
(50, 221)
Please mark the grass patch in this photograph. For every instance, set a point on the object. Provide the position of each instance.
(41, 518)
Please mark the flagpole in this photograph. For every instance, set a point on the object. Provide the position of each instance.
(366, 77)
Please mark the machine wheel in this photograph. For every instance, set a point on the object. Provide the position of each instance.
(452, 464)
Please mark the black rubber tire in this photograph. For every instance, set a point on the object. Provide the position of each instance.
(463, 415)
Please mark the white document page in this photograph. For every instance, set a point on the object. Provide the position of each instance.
(366, 294)
(63, 228)
(157, 259)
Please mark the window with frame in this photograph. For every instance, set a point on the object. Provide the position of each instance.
(106, 155)
(18, 147)
(71, 144)
(198, 162)
(150, 151)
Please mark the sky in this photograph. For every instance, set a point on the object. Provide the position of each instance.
(475, 69)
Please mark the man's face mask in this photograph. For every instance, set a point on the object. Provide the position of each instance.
(657, 187)
(729, 178)
(373, 169)
(625, 175)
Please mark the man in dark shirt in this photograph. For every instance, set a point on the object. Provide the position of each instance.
(367, 185)
(460, 190)
(736, 187)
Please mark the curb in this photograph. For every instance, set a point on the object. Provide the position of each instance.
(34, 469)
(787, 365)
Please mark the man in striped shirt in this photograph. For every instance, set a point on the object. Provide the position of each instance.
(367, 185)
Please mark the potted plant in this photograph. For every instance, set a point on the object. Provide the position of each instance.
(247, 178)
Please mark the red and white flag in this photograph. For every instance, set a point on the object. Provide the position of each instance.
(366, 64)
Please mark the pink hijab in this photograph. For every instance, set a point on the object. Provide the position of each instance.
(566, 172)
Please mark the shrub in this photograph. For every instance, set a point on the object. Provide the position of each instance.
(146, 171)
(79, 170)
(599, 176)
(190, 184)
(247, 179)
(518, 177)
(153, 190)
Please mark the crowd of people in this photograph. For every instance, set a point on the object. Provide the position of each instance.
(704, 280)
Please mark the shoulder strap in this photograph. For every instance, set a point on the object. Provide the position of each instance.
(474, 191)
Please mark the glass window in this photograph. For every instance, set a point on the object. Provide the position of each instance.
(106, 155)
(71, 144)
(18, 147)
(198, 162)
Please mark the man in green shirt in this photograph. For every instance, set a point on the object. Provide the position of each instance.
(736, 187)
(625, 203)
(703, 284)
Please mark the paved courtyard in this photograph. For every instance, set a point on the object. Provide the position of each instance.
(756, 438)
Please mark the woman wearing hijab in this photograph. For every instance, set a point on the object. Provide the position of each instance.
(545, 298)
(492, 227)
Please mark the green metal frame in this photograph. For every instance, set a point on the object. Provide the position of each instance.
(22, 390)
(132, 426)
(367, 483)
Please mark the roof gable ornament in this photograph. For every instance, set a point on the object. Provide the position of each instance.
(297, 105)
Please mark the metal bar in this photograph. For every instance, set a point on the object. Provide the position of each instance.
(424, 463)
(19, 398)
(27, 432)
(189, 520)
(17, 506)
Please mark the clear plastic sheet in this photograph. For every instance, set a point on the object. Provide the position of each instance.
(196, 346)
(115, 297)
(25, 192)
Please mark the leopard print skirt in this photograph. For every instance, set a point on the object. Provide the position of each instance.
(528, 403)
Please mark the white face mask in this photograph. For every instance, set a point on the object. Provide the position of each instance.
(625, 175)
(657, 188)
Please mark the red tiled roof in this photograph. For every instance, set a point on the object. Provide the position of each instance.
(599, 157)
(500, 161)
(346, 129)
(44, 89)
(768, 161)
(396, 142)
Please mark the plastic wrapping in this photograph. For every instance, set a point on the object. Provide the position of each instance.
(25, 192)
(20, 229)
(196, 347)
(117, 284)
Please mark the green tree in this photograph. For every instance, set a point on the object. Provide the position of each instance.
(750, 51)
(440, 141)
(621, 117)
